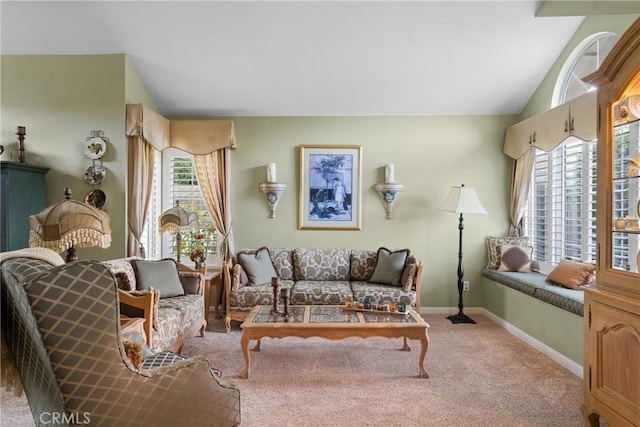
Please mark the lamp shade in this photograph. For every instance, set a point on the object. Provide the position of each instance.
(69, 223)
(177, 219)
(463, 200)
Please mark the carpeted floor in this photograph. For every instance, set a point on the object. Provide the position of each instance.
(480, 375)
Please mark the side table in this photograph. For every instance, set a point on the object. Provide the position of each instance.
(214, 280)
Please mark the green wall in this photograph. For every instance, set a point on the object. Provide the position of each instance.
(60, 100)
(431, 154)
(553, 326)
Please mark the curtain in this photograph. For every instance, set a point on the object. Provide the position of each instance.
(146, 131)
(213, 175)
(140, 166)
(208, 140)
(521, 184)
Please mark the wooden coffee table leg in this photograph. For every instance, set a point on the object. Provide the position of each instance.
(244, 343)
(257, 346)
(405, 346)
(424, 346)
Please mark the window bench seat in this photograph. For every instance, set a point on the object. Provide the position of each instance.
(534, 285)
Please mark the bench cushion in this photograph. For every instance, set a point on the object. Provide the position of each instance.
(534, 284)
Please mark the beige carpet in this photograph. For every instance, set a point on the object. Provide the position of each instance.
(480, 375)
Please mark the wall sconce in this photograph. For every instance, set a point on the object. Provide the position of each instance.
(272, 190)
(389, 190)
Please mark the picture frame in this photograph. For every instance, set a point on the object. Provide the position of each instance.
(330, 187)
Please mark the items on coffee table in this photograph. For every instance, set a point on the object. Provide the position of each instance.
(275, 282)
(285, 300)
(367, 304)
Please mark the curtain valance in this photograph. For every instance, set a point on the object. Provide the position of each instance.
(144, 122)
(204, 136)
(577, 118)
(197, 137)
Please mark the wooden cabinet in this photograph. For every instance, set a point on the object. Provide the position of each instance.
(22, 193)
(612, 305)
(612, 359)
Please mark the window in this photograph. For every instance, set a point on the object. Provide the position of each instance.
(560, 216)
(175, 179)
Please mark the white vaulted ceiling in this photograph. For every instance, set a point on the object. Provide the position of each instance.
(304, 58)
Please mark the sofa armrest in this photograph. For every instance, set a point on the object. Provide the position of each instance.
(416, 285)
(144, 303)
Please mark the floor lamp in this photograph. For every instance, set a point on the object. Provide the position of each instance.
(68, 224)
(180, 220)
(462, 200)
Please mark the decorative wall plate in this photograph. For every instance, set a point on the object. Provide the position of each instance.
(96, 198)
(95, 174)
(95, 148)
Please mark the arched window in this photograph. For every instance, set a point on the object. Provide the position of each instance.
(560, 218)
(585, 59)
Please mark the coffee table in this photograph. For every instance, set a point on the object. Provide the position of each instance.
(334, 323)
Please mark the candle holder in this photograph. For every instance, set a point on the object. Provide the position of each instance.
(21, 132)
(285, 299)
(273, 191)
(275, 282)
(388, 193)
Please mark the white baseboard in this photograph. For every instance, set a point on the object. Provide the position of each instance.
(561, 359)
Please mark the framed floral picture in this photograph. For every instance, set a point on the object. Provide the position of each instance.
(330, 193)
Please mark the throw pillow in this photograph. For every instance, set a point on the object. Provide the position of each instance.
(133, 351)
(123, 281)
(572, 274)
(389, 266)
(240, 278)
(408, 276)
(123, 270)
(162, 275)
(494, 242)
(515, 258)
(258, 267)
(190, 281)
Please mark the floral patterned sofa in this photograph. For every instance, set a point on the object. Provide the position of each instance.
(319, 276)
(168, 295)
